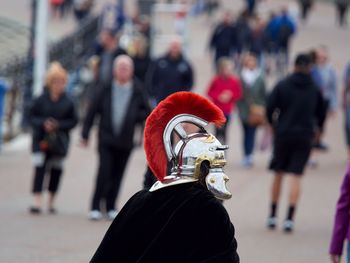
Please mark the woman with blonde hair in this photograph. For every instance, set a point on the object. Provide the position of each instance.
(52, 116)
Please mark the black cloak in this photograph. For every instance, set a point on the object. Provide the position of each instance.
(180, 223)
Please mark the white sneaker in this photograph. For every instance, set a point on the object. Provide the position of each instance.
(95, 215)
(288, 226)
(111, 214)
(247, 162)
(271, 222)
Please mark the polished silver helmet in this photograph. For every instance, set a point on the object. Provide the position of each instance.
(191, 153)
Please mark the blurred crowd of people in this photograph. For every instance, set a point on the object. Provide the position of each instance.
(268, 39)
(121, 84)
(80, 8)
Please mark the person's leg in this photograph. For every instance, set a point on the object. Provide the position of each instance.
(248, 144)
(275, 195)
(245, 139)
(294, 195)
(55, 176)
(348, 252)
(221, 132)
(276, 190)
(295, 190)
(120, 161)
(250, 141)
(39, 161)
(105, 163)
(303, 10)
(341, 11)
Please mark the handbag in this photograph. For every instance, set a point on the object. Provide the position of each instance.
(256, 115)
(55, 143)
(256, 112)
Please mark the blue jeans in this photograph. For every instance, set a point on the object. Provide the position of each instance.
(248, 139)
(348, 253)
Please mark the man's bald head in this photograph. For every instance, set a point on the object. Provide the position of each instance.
(123, 68)
(175, 47)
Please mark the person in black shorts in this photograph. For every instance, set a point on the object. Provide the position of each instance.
(293, 111)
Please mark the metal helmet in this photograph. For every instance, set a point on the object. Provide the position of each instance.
(193, 151)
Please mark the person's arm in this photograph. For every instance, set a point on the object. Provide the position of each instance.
(272, 104)
(71, 121)
(212, 92)
(35, 116)
(342, 217)
(236, 90)
(144, 106)
(93, 109)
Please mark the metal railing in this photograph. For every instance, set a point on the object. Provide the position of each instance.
(70, 51)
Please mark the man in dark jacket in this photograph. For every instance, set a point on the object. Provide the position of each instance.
(120, 105)
(293, 109)
(223, 38)
(170, 73)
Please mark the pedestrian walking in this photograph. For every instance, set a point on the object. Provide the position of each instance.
(286, 29)
(224, 90)
(170, 73)
(107, 50)
(120, 106)
(82, 9)
(341, 9)
(222, 40)
(243, 37)
(52, 116)
(292, 111)
(305, 7)
(346, 106)
(259, 41)
(251, 106)
(182, 207)
(324, 76)
(341, 223)
(271, 34)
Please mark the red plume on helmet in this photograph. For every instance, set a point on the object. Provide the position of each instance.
(175, 104)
